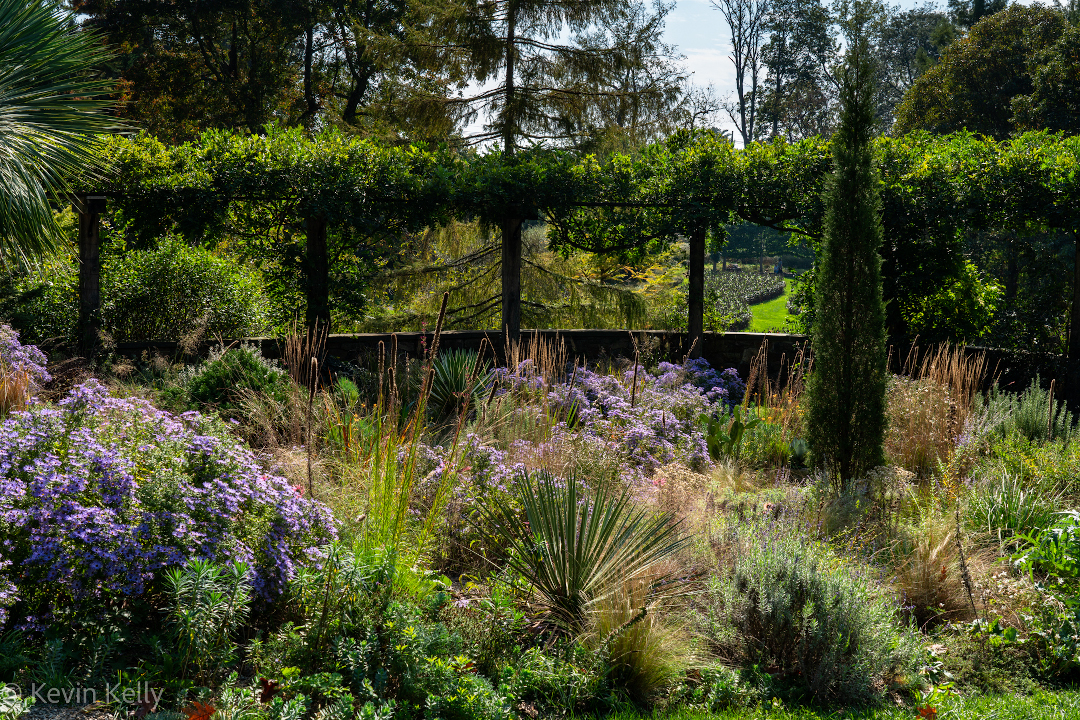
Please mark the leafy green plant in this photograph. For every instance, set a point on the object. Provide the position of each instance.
(12, 705)
(576, 551)
(1007, 507)
(728, 442)
(1037, 416)
(207, 604)
(175, 289)
(219, 382)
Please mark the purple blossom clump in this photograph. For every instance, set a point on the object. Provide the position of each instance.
(99, 494)
(654, 423)
(16, 357)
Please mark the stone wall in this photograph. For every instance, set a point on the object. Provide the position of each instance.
(1012, 369)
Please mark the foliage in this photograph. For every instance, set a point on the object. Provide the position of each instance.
(460, 381)
(1054, 102)
(962, 309)
(22, 370)
(101, 494)
(1009, 507)
(51, 115)
(846, 394)
(372, 620)
(1038, 416)
(219, 382)
(728, 442)
(206, 605)
(174, 290)
(974, 85)
(823, 626)
(575, 551)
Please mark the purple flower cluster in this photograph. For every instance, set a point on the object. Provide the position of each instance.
(98, 494)
(19, 358)
(654, 423)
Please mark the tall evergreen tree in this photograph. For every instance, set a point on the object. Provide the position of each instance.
(846, 414)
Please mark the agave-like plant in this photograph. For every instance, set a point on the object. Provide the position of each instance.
(460, 376)
(51, 115)
(577, 550)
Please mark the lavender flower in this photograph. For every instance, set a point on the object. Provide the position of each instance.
(99, 494)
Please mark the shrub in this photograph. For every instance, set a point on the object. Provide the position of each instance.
(552, 686)
(219, 383)
(175, 289)
(98, 495)
(825, 626)
(1038, 417)
(1005, 506)
(655, 423)
(459, 377)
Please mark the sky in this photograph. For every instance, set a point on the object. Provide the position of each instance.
(698, 30)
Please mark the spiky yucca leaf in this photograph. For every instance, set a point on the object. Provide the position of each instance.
(50, 117)
(576, 551)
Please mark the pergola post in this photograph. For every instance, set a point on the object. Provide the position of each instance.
(695, 306)
(511, 279)
(318, 275)
(89, 209)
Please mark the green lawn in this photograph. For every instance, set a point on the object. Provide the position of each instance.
(770, 316)
(1061, 705)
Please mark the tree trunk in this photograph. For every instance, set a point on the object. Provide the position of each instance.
(509, 109)
(318, 275)
(89, 210)
(695, 319)
(511, 279)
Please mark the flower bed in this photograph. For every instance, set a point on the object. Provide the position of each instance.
(98, 494)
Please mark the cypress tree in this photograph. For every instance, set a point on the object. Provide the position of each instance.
(846, 393)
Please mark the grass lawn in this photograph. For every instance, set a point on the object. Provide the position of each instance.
(1061, 705)
(770, 316)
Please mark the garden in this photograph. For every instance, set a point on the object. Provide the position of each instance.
(193, 527)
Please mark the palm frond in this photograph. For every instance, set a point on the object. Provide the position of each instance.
(51, 117)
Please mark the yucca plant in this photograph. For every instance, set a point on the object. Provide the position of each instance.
(51, 113)
(460, 377)
(577, 551)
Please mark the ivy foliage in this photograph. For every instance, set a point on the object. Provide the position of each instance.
(256, 193)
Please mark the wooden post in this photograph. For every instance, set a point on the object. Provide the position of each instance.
(89, 208)
(511, 279)
(695, 320)
(318, 275)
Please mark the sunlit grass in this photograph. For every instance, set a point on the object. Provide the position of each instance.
(1062, 705)
(771, 315)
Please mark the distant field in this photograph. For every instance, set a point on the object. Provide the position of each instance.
(770, 316)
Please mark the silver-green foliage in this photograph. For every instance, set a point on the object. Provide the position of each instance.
(792, 604)
(1037, 416)
(575, 549)
(460, 377)
(206, 605)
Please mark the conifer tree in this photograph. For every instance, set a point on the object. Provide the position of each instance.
(846, 414)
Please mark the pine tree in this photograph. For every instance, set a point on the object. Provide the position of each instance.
(846, 414)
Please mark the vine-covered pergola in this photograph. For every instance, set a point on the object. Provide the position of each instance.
(932, 188)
